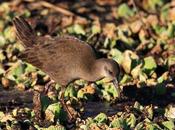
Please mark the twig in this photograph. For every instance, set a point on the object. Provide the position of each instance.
(56, 8)
(51, 6)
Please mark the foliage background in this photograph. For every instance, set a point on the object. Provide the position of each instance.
(139, 35)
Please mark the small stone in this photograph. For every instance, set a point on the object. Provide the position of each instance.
(5, 83)
(21, 87)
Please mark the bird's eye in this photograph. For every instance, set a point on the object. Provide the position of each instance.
(110, 72)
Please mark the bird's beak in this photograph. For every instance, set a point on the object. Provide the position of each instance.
(113, 80)
(116, 84)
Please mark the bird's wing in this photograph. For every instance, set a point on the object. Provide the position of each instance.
(54, 55)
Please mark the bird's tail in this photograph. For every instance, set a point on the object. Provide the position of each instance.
(24, 32)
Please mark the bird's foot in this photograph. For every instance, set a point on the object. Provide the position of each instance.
(72, 114)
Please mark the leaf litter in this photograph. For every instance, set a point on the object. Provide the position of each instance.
(138, 35)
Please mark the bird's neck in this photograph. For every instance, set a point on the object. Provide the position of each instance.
(94, 73)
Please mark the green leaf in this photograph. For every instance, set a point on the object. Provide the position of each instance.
(149, 110)
(165, 32)
(110, 88)
(2, 56)
(165, 12)
(2, 40)
(30, 68)
(119, 123)
(9, 34)
(169, 125)
(126, 78)
(20, 69)
(70, 91)
(142, 77)
(159, 29)
(149, 65)
(170, 112)
(26, 13)
(106, 95)
(130, 60)
(16, 71)
(171, 60)
(116, 55)
(106, 42)
(89, 121)
(54, 111)
(163, 77)
(140, 126)
(55, 127)
(2, 25)
(101, 118)
(125, 11)
(76, 29)
(131, 121)
(171, 30)
(79, 29)
(136, 71)
(81, 95)
(124, 36)
(151, 126)
(5, 7)
(96, 28)
(138, 107)
(2, 71)
(155, 3)
(1, 115)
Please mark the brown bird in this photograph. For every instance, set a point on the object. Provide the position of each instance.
(64, 58)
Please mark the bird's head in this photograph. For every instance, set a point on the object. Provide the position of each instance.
(108, 70)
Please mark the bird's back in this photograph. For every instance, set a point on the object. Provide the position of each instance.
(63, 58)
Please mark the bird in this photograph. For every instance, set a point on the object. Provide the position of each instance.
(64, 58)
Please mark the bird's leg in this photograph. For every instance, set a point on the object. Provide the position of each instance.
(37, 105)
(70, 116)
(89, 83)
(47, 86)
(38, 93)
